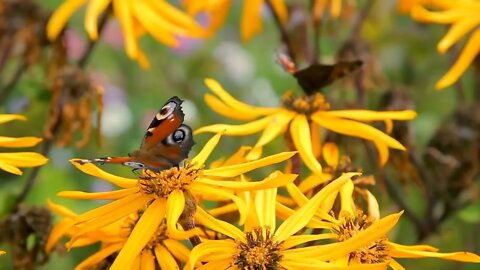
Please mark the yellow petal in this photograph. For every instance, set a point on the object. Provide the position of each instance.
(357, 129)
(221, 108)
(302, 216)
(177, 17)
(236, 130)
(207, 191)
(60, 17)
(99, 256)
(23, 159)
(236, 105)
(383, 152)
(251, 21)
(331, 154)
(265, 207)
(218, 225)
(61, 210)
(296, 240)
(456, 32)
(59, 230)
(164, 258)
(109, 195)
(335, 250)
(300, 131)
(313, 181)
(470, 51)
(19, 142)
(399, 251)
(313, 264)
(366, 115)
(277, 125)
(275, 179)
(156, 25)
(93, 12)
(210, 247)
(95, 171)
(346, 199)
(124, 204)
(237, 169)
(9, 168)
(421, 14)
(178, 250)
(280, 9)
(142, 233)
(122, 10)
(147, 261)
(201, 157)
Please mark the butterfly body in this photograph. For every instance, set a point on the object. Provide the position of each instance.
(166, 143)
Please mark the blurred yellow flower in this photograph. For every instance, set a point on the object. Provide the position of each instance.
(2, 252)
(161, 250)
(463, 17)
(302, 117)
(251, 22)
(333, 7)
(169, 194)
(159, 18)
(11, 162)
(262, 244)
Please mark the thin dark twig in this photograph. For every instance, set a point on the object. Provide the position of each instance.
(101, 26)
(283, 32)
(6, 90)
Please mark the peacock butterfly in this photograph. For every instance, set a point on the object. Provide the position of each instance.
(166, 143)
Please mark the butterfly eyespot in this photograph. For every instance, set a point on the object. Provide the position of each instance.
(178, 136)
(135, 165)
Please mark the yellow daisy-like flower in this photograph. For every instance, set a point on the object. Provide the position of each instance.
(2, 252)
(168, 195)
(161, 250)
(262, 244)
(302, 117)
(362, 239)
(11, 162)
(159, 18)
(463, 17)
(251, 23)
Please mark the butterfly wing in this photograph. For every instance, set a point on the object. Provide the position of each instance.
(317, 76)
(165, 122)
(167, 153)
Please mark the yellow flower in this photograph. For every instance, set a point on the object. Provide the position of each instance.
(168, 195)
(159, 18)
(2, 252)
(361, 239)
(11, 162)
(302, 117)
(161, 249)
(251, 21)
(463, 17)
(261, 244)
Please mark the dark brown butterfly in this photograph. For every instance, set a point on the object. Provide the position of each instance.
(166, 143)
(317, 76)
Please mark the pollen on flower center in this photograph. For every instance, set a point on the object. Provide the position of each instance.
(260, 251)
(305, 104)
(348, 227)
(162, 183)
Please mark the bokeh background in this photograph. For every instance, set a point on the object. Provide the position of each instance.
(404, 49)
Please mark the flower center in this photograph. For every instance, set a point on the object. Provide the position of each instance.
(260, 251)
(161, 184)
(305, 104)
(375, 252)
